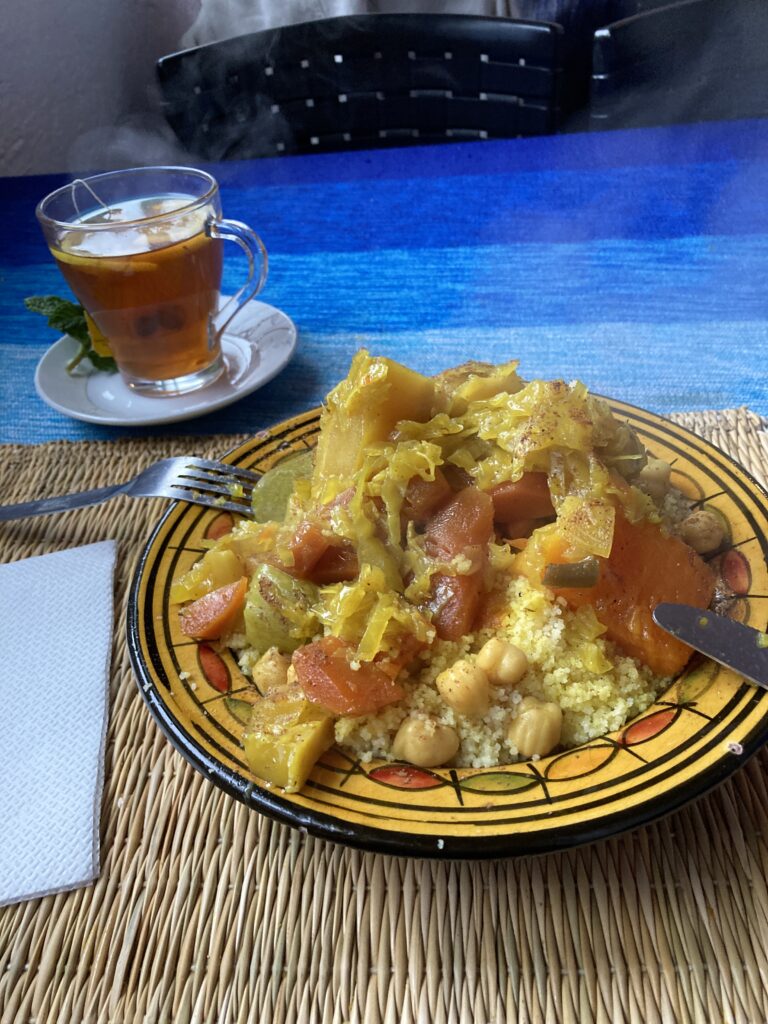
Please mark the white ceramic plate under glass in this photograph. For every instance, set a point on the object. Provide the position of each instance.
(257, 345)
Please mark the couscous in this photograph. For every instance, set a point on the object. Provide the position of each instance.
(463, 575)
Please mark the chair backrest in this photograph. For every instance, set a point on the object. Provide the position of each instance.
(699, 60)
(364, 81)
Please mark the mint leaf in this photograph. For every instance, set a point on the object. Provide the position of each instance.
(69, 318)
(62, 315)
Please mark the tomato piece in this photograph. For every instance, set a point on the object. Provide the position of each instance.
(424, 497)
(455, 603)
(337, 564)
(526, 498)
(328, 679)
(216, 613)
(465, 522)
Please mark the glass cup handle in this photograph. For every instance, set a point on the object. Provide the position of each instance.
(258, 263)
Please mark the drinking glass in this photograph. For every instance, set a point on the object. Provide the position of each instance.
(142, 251)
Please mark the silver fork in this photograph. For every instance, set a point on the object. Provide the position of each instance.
(199, 481)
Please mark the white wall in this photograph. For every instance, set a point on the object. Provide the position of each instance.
(71, 71)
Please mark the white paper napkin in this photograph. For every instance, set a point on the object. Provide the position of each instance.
(56, 620)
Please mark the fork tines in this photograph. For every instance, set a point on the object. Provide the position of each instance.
(229, 487)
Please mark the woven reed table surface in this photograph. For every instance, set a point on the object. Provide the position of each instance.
(205, 911)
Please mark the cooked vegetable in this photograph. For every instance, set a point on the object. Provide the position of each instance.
(703, 531)
(654, 479)
(285, 740)
(645, 567)
(363, 410)
(425, 743)
(464, 687)
(535, 731)
(329, 677)
(585, 573)
(306, 547)
(455, 603)
(270, 673)
(278, 610)
(462, 527)
(215, 614)
(503, 662)
(272, 493)
(216, 569)
(623, 451)
(457, 387)
(526, 498)
(424, 497)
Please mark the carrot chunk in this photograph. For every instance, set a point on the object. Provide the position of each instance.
(454, 604)
(215, 614)
(326, 674)
(308, 545)
(424, 497)
(465, 522)
(526, 498)
(337, 564)
(463, 527)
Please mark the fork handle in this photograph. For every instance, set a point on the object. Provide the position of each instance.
(61, 503)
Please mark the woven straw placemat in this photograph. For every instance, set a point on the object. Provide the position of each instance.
(205, 911)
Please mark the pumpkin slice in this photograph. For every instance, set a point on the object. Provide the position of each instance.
(645, 567)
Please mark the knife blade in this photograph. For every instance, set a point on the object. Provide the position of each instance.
(738, 647)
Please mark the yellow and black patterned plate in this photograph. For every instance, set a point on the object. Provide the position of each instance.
(698, 732)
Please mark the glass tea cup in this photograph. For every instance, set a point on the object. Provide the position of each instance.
(142, 251)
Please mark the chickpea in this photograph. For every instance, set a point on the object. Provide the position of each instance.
(703, 531)
(464, 687)
(425, 743)
(537, 727)
(270, 673)
(653, 478)
(503, 662)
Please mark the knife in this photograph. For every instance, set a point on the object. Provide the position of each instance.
(738, 647)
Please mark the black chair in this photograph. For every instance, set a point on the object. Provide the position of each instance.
(364, 81)
(700, 60)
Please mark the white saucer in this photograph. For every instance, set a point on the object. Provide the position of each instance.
(258, 344)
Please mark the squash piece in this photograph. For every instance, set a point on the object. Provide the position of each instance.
(285, 739)
(216, 568)
(644, 568)
(363, 410)
(278, 610)
(272, 493)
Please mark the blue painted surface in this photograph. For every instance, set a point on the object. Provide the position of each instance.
(634, 260)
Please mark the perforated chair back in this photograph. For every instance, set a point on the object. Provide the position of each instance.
(364, 81)
(699, 60)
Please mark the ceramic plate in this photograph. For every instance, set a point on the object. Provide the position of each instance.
(258, 344)
(698, 732)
